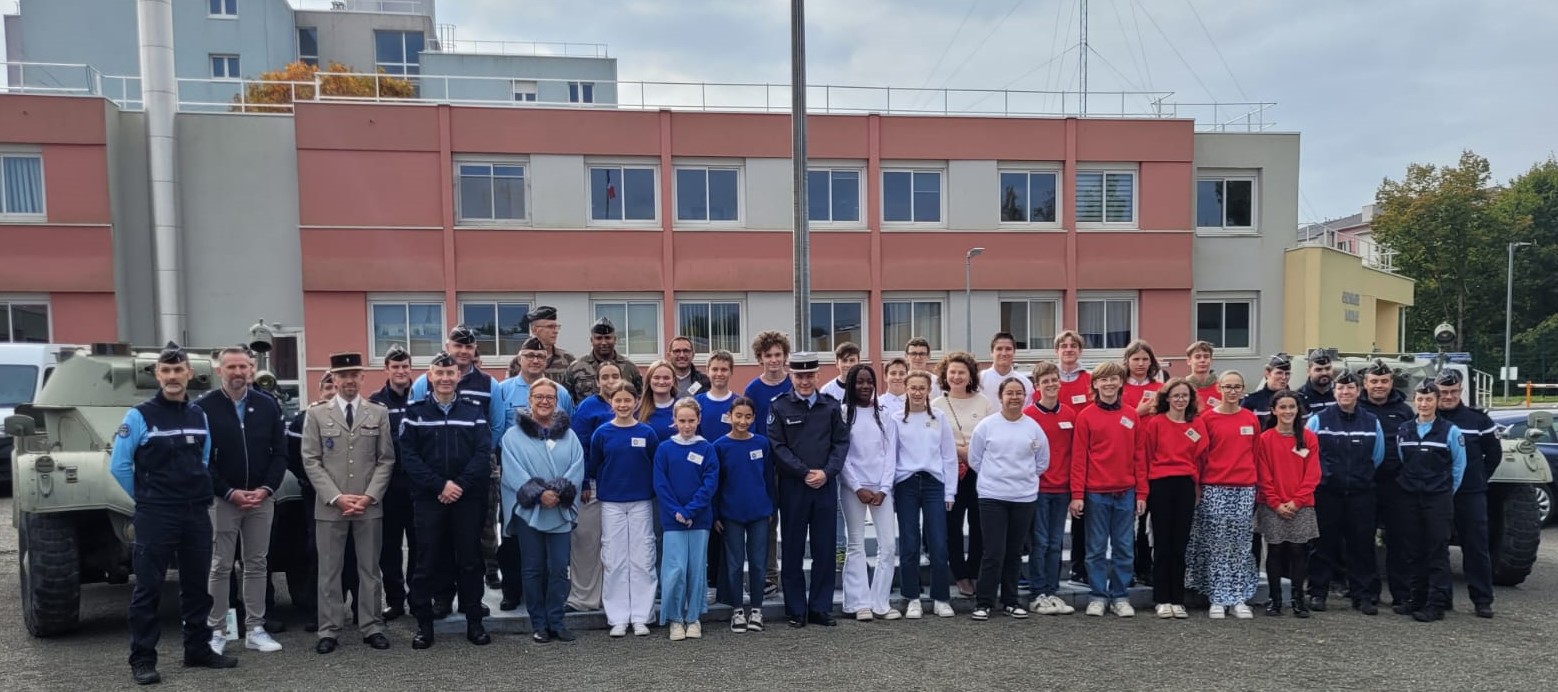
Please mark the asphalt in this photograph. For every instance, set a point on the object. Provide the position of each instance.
(1334, 650)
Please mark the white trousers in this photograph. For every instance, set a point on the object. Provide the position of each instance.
(861, 591)
(628, 552)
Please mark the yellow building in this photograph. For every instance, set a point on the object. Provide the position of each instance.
(1341, 291)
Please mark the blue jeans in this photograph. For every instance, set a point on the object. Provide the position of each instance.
(1049, 535)
(746, 544)
(684, 576)
(922, 498)
(543, 567)
(1111, 542)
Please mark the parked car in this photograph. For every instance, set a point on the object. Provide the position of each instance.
(1512, 422)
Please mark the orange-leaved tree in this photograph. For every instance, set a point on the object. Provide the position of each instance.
(275, 91)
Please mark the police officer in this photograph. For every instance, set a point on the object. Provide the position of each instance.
(1352, 445)
(399, 529)
(447, 451)
(160, 456)
(810, 440)
(1279, 369)
(1433, 461)
(1483, 455)
(1316, 391)
(580, 378)
(542, 323)
(1388, 405)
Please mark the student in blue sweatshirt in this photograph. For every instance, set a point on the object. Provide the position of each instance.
(584, 566)
(620, 469)
(655, 409)
(714, 404)
(745, 509)
(686, 476)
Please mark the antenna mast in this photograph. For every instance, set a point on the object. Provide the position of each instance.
(1082, 62)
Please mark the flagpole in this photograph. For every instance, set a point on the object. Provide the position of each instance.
(802, 250)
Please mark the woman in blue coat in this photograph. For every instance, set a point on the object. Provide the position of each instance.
(543, 466)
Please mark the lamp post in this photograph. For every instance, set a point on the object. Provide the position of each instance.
(968, 297)
(1509, 300)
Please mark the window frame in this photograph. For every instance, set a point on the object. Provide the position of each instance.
(1052, 170)
(407, 300)
(581, 92)
(1046, 348)
(408, 60)
(676, 197)
(222, 9)
(1131, 297)
(1252, 300)
(519, 88)
(496, 301)
(861, 173)
(622, 165)
(1107, 170)
(939, 339)
(232, 66)
(491, 162)
(701, 356)
(303, 58)
(940, 169)
(624, 347)
(863, 300)
(1225, 229)
(8, 216)
(8, 303)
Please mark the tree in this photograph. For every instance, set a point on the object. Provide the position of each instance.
(275, 91)
(1531, 201)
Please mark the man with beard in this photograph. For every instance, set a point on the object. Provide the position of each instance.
(580, 378)
(1317, 392)
(689, 382)
(399, 528)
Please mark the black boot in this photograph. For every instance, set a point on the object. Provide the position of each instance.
(476, 634)
(1274, 607)
(1300, 610)
(424, 638)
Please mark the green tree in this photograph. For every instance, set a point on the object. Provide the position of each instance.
(1530, 202)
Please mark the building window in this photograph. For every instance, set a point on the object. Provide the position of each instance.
(1106, 197)
(708, 194)
(581, 92)
(23, 322)
(1033, 322)
(398, 52)
(638, 325)
(21, 185)
(525, 91)
(224, 8)
(911, 196)
(308, 45)
(491, 192)
(1106, 323)
(416, 325)
(710, 324)
(1029, 196)
(224, 66)
(1225, 324)
(833, 322)
(1227, 203)
(497, 326)
(903, 320)
(622, 193)
(833, 195)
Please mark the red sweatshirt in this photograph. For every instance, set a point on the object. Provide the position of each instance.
(1172, 449)
(1287, 473)
(1230, 452)
(1059, 425)
(1078, 393)
(1208, 397)
(1104, 455)
(1133, 394)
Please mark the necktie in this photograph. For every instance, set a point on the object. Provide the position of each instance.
(348, 415)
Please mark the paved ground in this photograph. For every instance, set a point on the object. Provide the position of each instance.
(1335, 650)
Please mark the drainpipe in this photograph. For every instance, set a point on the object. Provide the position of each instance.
(159, 92)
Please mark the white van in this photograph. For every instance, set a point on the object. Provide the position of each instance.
(23, 370)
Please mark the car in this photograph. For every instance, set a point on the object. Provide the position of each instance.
(1512, 425)
(24, 368)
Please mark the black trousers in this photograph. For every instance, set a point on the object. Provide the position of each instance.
(1471, 527)
(1391, 507)
(1346, 543)
(460, 521)
(1430, 517)
(399, 528)
(803, 511)
(168, 535)
(1144, 542)
(965, 559)
(1289, 560)
(1079, 550)
(1171, 503)
(1006, 527)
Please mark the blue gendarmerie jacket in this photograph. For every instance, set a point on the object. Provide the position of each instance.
(436, 447)
(1433, 457)
(686, 477)
(395, 403)
(807, 437)
(478, 388)
(1484, 452)
(160, 453)
(247, 453)
(1352, 445)
(1391, 415)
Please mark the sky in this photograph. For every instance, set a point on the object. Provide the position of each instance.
(1372, 86)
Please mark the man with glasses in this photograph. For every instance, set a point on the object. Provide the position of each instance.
(542, 323)
(917, 351)
(689, 382)
(1483, 455)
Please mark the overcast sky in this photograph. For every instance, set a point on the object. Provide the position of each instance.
(1371, 85)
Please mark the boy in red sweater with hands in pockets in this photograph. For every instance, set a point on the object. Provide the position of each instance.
(1108, 489)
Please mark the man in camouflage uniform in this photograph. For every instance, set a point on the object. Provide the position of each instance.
(580, 379)
(542, 324)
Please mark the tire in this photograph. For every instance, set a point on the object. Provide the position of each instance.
(1521, 536)
(50, 574)
(1544, 503)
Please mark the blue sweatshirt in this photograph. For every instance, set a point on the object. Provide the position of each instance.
(662, 422)
(762, 395)
(592, 413)
(686, 476)
(747, 481)
(715, 421)
(621, 462)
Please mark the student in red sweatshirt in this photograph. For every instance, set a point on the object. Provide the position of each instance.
(1202, 377)
(1287, 458)
(1142, 384)
(1108, 489)
(1076, 391)
(1049, 522)
(1172, 443)
(1219, 561)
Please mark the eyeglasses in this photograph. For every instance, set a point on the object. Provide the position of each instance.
(919, 354)
(532, 356)
(544, 397)
(1230, 387)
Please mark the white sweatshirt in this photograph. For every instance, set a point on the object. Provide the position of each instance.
(1009, 456)
(925, 444)
(990, 385)
(869, 464)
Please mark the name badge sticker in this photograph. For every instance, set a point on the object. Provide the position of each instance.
(695, 458)
(1067, 425)
(1078, 398)
(1146, 396)
(695, 388)
(639, 442)
(189, 439)
(1302, 452)
(724, 418)
(1246, 430)
(551, 445)
(1213, 401)
(792, 421)
(1127, 422)
(755, 454)
(1193, 435)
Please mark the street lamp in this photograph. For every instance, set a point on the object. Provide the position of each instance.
(968, 297)
(1509, 300)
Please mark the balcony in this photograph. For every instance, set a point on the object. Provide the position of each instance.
(1372, 254)
(419, 7)
(521, 48)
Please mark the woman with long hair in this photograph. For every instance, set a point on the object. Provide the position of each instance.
(654, 410)
(584, 567)
(1172, 443)
(867, 489)
(924, 487)
(1010, 452)
(1220, 561)
(964, 407)
(621, 465)
(1287, 459)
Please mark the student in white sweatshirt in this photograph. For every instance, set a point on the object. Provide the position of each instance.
(924, 487)
(1010, 452)
(867, 487)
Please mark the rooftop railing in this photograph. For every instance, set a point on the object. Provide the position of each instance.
(422, 7)
(534, 48)
(1372, 254)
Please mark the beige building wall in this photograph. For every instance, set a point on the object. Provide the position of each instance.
(1334, 300)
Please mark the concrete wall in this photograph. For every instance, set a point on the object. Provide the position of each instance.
(347, 37)
(1335, 301)
(551, 74)
(557, 193)
(770, 194)
(130, 193)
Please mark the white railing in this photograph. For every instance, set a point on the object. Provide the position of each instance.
(1372, 254)
(422, 7)
(536, 48)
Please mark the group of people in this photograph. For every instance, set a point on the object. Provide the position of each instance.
(585, 484)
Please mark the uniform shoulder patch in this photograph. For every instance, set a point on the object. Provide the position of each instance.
(124, 431)
(1462, 438)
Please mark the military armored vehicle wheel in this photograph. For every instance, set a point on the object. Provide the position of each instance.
(50, 574)
(1520, 537)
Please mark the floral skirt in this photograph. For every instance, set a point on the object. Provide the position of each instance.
(1302, 528)
(1218, 562)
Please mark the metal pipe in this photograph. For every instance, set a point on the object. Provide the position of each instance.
(159, 92)
(968, 297)
(802, 258)
(1509, 301)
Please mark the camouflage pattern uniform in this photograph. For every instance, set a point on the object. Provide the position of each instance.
(580, 379)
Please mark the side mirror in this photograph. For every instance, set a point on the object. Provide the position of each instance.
(20, 426)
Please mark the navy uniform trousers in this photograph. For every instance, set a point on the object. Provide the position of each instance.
(167, 535)
(802, 509)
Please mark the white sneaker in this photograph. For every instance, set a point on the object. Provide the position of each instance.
(944, 609)
(914, 610)
(755, 621)
(893, 614)
(619, 631)
(678, 632)
(1123, 608)
(260, 640)
(738, 620)
(864, 615)
(1164, 611)
(1061, 606)
(1216, 613)
(640, 629)
(1243, 612)
(694, 630)
(1095, 608)
(1043, 605)
(1179, 612)
(218, 642)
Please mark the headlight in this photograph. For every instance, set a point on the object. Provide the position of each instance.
(44, 464)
